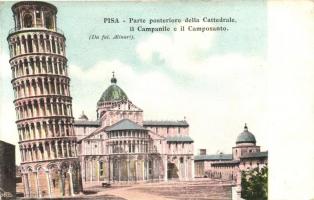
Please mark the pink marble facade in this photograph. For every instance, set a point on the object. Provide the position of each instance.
(162, 150)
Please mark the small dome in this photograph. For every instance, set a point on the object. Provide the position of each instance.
(246, 137)
(83, 116)
(112, 93)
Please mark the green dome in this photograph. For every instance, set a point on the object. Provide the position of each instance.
(112, 93)
(246, 137)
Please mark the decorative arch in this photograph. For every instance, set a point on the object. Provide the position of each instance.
(28, 20)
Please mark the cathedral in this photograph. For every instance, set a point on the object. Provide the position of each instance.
(120, 146)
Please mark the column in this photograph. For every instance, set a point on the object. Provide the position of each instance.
(26, 186)
(50, 41)
(62, 148)
(143, 169)
(39, 151)
(192, 162)
(35, 20)
(32, 39)
(51, 156)
(71, 149)
(30, 155)
(119, 169)
(43, 130)
(27, 47)
(71, 181)
(37, 185)
(109, 169)
(49, 127)
(36, 131)
(136, 175)
(67, 148)
(98, 169)
(45, 89)
(61, 104)
(56, 147)
(91, 170)
(45, 103)
(48, 181)
(34, 156)
(55, 87)
(75, 150)
(54, 129)
(185, 168)
(49, 90)
(45, 151)
(59, 126)
(44, 44)
(128, 166)
(165, 168)
(147, 169)
(42, 18)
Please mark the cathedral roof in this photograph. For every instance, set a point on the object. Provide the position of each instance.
(182, 123)
(213, 157)
(246, 137)
(263, 154)
(125, 124)
(179, 139)
(112, 93)
(87, 123)
(226, 163)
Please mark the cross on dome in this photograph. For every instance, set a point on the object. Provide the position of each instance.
(113, 79)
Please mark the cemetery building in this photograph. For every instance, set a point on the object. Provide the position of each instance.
(245, 155)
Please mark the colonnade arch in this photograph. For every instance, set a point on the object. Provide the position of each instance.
(38, 64)
(46, 128)
(39, 86)
(52, 179)
(48, 149)
(123, 168)
(43, 107)
(37, 42)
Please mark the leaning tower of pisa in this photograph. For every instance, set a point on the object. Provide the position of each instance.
(43, 104)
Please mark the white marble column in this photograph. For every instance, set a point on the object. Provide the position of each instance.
(193, 172)
(37, 185)
(48, 183)
(165, 168)
(71, 181)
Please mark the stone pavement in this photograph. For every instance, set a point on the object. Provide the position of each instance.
(198, 189)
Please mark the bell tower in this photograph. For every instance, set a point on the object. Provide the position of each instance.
(49, 163)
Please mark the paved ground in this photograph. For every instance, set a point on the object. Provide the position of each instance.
(199, 189)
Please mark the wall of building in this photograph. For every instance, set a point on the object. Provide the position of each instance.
(251, 163)
(7, 169)
(167, 131)
(243, 149)
(82, 131)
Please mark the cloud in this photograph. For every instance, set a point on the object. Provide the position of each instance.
(180, 50)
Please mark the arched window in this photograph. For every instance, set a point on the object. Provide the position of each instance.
(28, 20)
(48, 22)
